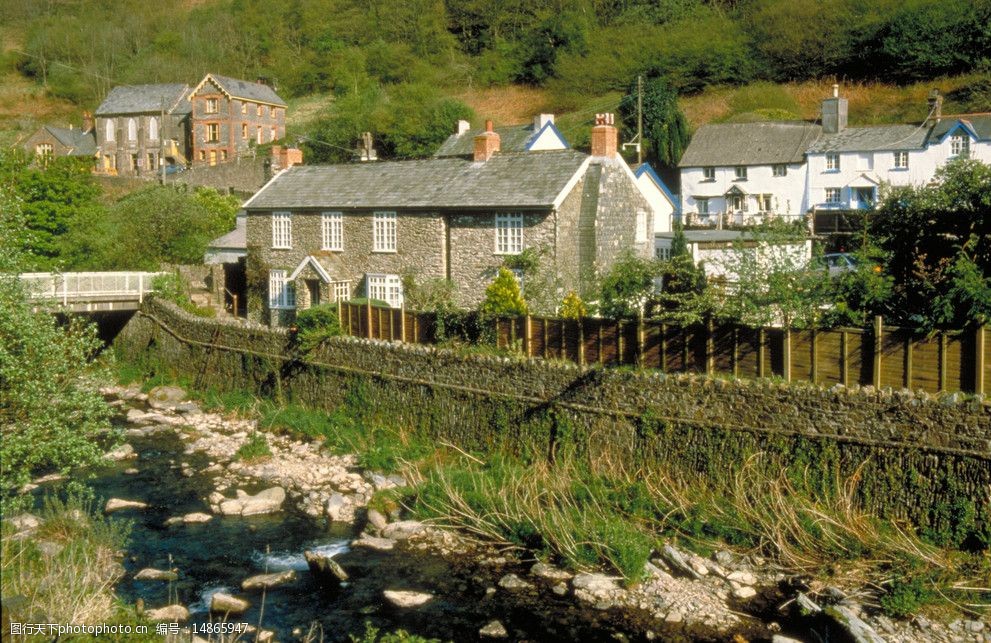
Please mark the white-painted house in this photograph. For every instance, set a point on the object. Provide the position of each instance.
(664, 203)
(742, 173)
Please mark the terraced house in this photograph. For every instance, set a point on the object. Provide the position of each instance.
(327, 233)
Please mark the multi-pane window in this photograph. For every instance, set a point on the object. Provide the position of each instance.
(901, 160)
(153, 129)
(342, 290)
(211, 106)
(212, 132)
(332, 231)
(740, 171)
(44, 150)
(780, 170)
(110, 129)
(662, 252)
(281, 230)
(387, 288)
(765, 202)
(258, 111)
(832, 195)
(509, 234)
(959, 145)
(280, 291)
(832, 162)
(384, 232)
(708, 174)
(703, 205)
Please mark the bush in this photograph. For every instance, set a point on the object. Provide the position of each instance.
(317, 324)
(572, 307)
(503, 296)
(256, 447)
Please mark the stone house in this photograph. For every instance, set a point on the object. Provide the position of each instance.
(328, 233)
(229, 114)
(51, 141)
(743, 173)
(139, 128)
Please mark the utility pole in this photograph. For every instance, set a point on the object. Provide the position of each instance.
(639, 119)
(161, 143)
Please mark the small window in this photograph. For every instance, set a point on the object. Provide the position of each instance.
(244, 131)
(244, 108)
(959, 145)
(273, 134)
(275, 113)
(384, 232)
(213, 157)
(708, 174)
(765, 202)
(258, 111)
(202, 155)
(153, 129)
(151, 161)
(258, 135)
(832, 195)
(223, 155)
(832, 162)
(901, 160)
(663, 252)
(780, 170)
(280, 292)
(332, 228)
(134, 162)
(509, 234)
(281, 230)
(740, 171)
(211, 106)
(44, 150)
(703, 205)
(387, 288)
(212, 132)
(132, 129)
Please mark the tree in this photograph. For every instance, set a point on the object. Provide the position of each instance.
(665, 129)
(627, 286)
(572, 306)
(503, 297)
(685, 297)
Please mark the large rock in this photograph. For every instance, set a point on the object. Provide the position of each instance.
(377, 520)
(324, 568)
(166, 397)
(403, 529)
(371, 542)
(150, 573)
(512, 582)
(337, 506)
(124, 452)
(596, 584)
(406, 599)
(263, 502)
(268, 581)
(543, 570)
(25, 522)
(168, 614)
(494, 630)
(117, 504)
(196, 517)
(227, 604)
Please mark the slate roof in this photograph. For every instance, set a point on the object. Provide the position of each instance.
(749, 144)
(507, 180)
(143, 99)
(513, 138)
(872, 139)
(980, 123)
(80, 143)
(237, 238)
(248, 90)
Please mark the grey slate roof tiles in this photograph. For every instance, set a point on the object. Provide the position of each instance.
(749, 144)
(513, 138)
(980, 123)
(507, 180)
(145, 99)
(870, 139)
(82, 144)
(246, 89)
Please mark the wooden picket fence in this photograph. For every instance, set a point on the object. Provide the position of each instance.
(882, 356)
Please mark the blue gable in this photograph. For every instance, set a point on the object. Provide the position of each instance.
(537, 135)
(645, 168)
(960, 125)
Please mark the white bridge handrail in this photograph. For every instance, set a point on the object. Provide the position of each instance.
(80, 286)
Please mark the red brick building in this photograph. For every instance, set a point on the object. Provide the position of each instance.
(229, 115)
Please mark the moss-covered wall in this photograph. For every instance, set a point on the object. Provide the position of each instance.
(920, 458)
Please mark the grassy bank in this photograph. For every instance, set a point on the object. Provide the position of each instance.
(593, 513)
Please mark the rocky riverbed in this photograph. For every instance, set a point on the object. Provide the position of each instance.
(685, 597)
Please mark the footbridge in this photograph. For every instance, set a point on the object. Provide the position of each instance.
(89, 292)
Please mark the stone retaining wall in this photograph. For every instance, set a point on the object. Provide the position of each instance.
(919, 457)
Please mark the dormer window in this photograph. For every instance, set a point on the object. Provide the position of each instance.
(211, 106)
(708, 174)
(959, 145)
(780, 170)
(740, 171)
(832, 162)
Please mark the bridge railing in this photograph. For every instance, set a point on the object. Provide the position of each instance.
(80, 286)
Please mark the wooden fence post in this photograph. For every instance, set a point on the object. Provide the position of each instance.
(512, 333)
(761, 341)
(640, 340)
(844, 358)
(581, 341)
(620, 344)
(340, 316)
(878, 330)
(402, 322)
(527, 336)
(942, 361)
(980, 357)
(815, 357)
(909, 345)
(736, 351)
(368, 317)
(786, 355)
(710, 347)
(664, 347)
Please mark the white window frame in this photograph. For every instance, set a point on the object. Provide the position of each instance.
(387, 288)
(959, 145)
(332, 231)
(281, 230)
(152, 129)
(212, 106)
(132, 129)
(384, 231)
(740, 172)
(44, 150)
(838, 192)
(779, 169)
(901, 161)
(110, 133)
(211, 133)
(709, 174)
(281, 294)
(765, 202)
(832, 162)
(508, 233)
(702, 205)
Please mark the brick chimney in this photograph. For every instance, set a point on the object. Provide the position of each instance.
(604, 136)
(486, 143)
(834, 113)
(87, 122)
(285, 157)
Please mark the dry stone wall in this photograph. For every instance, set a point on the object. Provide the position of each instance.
(919, 457)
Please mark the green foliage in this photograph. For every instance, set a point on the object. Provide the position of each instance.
(859, 294)
(665, 128)
(572, 306)
(503, 297)
(317, 324)
(685, 297)
(627, 286)
(255, 448)
(538, 283)
(375, 635)
(905, 597)
(172, 287)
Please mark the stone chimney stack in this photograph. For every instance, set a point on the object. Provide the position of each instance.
(463, 127)
(834, 113)
(486, 144)
(605, 137)
(87, 122)
(935, 104)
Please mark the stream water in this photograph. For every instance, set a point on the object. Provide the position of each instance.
(218, 555)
